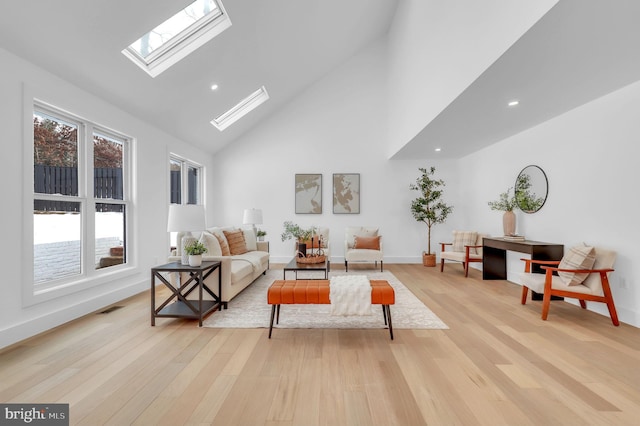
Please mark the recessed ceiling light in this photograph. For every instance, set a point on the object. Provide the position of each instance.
(513, 103)
(438, 149)
(214, 87)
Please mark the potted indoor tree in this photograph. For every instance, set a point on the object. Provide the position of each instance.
(195, 250)
(429, 207)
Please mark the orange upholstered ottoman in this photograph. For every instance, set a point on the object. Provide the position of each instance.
(305, 292)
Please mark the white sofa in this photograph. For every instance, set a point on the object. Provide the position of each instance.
(238, 270)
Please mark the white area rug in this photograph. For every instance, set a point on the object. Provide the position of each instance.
(249, 309)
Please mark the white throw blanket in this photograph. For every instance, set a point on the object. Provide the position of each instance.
(350, 295)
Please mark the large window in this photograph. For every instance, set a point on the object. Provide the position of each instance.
(80, 198)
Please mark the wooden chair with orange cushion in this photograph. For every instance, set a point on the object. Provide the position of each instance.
(582, 274)
(363, 244)
(466, 248)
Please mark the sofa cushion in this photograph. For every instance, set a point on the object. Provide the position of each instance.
(224, 247)
(250, 239)
(464, 238)
(236, 242)
(239, 269)
(259, 259)
(578, 257)
(367, 243)
(211, 243)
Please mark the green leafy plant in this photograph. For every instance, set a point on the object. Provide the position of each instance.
(506, 202)
(291, 230)
(260, 233)
(526, 200)
(429, 207)
(195, 248)
(521, 198)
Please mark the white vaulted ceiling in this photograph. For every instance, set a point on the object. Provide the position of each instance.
(285, 45)
(578, 51)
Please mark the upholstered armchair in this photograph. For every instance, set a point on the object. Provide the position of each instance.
(582, 274)
(466, 248)
(362, 244)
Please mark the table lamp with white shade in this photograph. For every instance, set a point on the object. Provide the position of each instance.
(252, 217)
(186, 218)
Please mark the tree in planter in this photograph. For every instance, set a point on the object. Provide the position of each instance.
(429, 207)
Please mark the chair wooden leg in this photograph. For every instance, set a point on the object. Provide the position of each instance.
(441, 265)
(525, 294)
(546, 303)
(381, 266)
(609, 298)
(346, 266)
(466, 269)
(583, 304)
(612, 312)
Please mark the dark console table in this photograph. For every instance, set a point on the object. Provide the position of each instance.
(494, 255)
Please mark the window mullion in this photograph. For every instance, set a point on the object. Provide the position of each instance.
(88, 201)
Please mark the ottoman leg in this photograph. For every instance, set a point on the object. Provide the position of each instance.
(390, 325)
(273, 313)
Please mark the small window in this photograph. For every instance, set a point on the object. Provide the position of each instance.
(178, 36)
(185, 178)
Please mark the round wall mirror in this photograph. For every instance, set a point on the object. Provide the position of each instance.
(531, 189)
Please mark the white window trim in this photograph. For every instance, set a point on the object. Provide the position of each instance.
(184, 184)
(31, 293)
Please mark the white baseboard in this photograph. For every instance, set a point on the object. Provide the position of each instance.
(18, 332)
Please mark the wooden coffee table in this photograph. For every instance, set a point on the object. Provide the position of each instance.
(296, 267)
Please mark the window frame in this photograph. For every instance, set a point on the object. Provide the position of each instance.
(182, 44)
(185, 164)
(89, 276)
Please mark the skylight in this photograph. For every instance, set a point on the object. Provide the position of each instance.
(241, 109)
(178, 36)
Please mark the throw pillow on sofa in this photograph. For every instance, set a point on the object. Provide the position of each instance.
(211, 243)
(250, 239)
(236, 242)
(224, 247)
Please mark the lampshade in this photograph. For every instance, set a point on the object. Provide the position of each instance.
(252, 217)
(186, 218)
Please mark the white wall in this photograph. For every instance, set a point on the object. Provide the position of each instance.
(438, 48)
(149, 242)
(590, 157)
(338, 125)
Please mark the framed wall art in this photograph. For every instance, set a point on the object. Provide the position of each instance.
(308, 193)
(346, 193)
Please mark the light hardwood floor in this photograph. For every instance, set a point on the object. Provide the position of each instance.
(498, 364)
